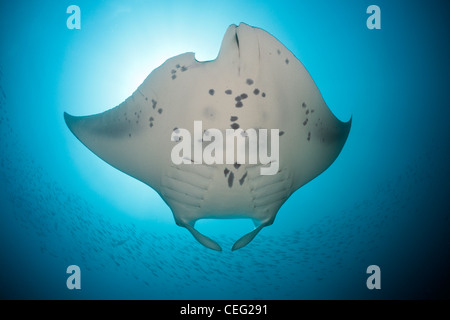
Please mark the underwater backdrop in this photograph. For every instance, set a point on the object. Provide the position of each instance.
(384, 201)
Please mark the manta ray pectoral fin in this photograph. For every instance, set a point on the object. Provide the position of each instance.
(204, 240)
(117, 140)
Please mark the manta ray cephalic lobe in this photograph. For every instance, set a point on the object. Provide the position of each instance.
(254, 84)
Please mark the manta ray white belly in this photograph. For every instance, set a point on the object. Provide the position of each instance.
(255, 83)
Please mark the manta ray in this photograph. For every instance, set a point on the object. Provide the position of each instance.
(255, 82)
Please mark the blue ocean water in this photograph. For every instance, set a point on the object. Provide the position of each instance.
(383, 202)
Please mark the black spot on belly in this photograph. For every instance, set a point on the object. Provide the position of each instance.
(159, 110)
(238, 98)
(233, 118)
(174, 77)
(303, 105)
(244, 96)
(226, 171)
(281, 133)
(154, 103)
(309, 136)
(305, 122)
(177, 66)
(228, 91)
(263, 95)
(234, 126)
(211, 92)
(236, 165)
(307, 111)
(256, 91)
(249, 82)
(278, 51)
(287, 61)
(241, 180)
(239, 104)
(183, 69)
(230, 179)
(173, 71)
